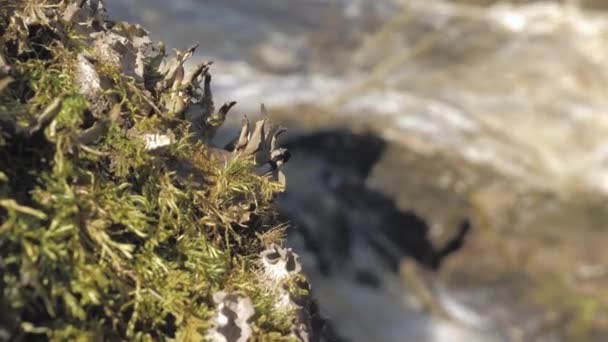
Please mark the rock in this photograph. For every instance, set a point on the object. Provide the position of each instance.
(119, 52)
(87, 77)
(93, 86)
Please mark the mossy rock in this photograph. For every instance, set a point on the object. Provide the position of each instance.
(119, 218)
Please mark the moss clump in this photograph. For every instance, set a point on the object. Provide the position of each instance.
(105, 234)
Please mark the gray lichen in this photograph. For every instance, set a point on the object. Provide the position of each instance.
(283, 275)
(231, 323)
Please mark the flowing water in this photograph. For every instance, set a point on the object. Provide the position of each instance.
(495, 110)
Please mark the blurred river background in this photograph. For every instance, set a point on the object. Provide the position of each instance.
(494, 110)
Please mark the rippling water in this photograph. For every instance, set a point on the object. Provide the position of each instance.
(519, 91)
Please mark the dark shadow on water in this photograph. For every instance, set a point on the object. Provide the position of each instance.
(339, 220)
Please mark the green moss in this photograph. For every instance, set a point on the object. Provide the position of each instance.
(111, 241)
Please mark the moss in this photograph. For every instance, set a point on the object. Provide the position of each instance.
(109, 240)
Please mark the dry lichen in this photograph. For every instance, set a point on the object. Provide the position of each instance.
(118, 217)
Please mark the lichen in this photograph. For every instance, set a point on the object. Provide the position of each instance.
(119, 218)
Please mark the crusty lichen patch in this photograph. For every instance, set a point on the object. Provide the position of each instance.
(119, 219)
